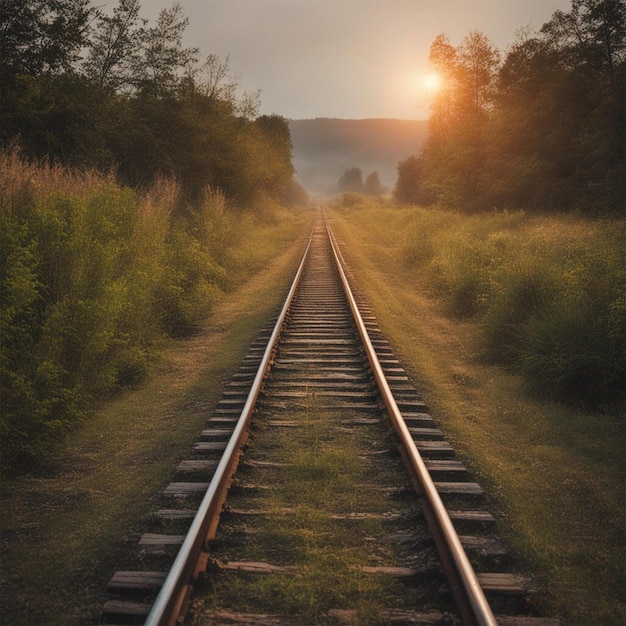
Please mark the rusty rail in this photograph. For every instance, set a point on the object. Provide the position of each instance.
(192, 556)
(176, 588)
(468, 594)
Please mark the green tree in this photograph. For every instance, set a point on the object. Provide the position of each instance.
(557, 136)
(41, 36)
(40, 41)
(455, 151)
(276, 138)
(409, 187)
(164, 62)
(590, 46)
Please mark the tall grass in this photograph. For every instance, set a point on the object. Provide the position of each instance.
(549, 293)
(550, 305)
(94, 278)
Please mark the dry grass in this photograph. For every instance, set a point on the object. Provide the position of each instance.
(556, 474)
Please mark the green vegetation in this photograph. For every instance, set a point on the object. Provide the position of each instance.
(546, 293)
(95, 277)
(541, 130)
(111, 92)
(65, 530)
(351, 181)
(98, 270)
(462, 296)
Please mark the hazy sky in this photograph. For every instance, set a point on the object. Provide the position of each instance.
(344, 58)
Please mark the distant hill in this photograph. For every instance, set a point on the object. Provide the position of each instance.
(324, 148)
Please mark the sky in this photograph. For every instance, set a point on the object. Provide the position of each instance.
(350, 59)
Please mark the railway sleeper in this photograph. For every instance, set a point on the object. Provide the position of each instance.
(434, 449)
(196, 466)
(509, 595)
(486, 549)
(125, 612)
(407, 574)
(215, 433)
(175, 515)
(463, 490)
(185, 489)
(132, 582)
(412, 406)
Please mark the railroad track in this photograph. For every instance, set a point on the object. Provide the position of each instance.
(321, 490)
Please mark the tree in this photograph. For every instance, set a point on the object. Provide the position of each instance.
(409, 184)
(594, 33)
(455, 152)
(41, 36)
(373, 186)
(164, 61)
(442, 58)
(557, 136)
(351, 180)
(116, 46)
(477, 66)
(276, 138)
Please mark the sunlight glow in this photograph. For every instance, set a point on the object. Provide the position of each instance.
(432, 82)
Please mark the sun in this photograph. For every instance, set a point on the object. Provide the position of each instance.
(432, 82)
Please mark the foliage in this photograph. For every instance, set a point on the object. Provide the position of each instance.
(543, 129)
(351, 181)
(409, 184)
(115, 46)
(373, 186)
(550, 302)
(548, 293)
(95, 277)
(98, 270)
(41, 36)
(138, 103)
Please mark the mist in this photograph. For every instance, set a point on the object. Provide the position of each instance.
(324, 148)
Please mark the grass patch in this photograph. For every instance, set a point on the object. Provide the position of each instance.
(556, 472)
(64, 530)
(322, 475)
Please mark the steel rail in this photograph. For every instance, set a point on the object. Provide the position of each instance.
(175, 590)
(468, 594)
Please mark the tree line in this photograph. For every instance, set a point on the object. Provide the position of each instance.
(87, 89)
(541, 127)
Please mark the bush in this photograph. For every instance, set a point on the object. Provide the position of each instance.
(548, 293)
(567, 352)
(94, 277)
(521, 290)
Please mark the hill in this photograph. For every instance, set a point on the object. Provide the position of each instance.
(324, 148)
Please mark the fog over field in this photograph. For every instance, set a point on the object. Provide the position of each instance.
(324, 148)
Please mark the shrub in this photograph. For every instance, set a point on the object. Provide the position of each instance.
(94, 276)
(519, 290)
(547, 293)
(567, 352)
